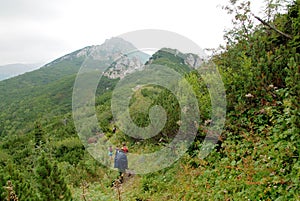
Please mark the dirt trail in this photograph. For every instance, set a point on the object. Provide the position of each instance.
(129, 180)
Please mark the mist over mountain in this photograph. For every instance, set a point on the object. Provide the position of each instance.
(11, 70)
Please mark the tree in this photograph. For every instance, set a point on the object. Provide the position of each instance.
(38, 135)
(50, 182)
(16, 182)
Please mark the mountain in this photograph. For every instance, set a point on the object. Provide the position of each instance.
(48, 90)
(11, 70)
(110, 49)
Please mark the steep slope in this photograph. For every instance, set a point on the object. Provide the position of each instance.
(257, 157)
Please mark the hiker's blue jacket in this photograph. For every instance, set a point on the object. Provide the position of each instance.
(121, 160)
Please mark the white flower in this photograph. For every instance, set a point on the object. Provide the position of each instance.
(249, 95)
(206, 122)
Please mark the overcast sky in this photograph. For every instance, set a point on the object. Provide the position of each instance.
(38, 31)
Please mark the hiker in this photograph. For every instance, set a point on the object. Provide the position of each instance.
(110, 152)
(115, 160)
(125, 149)
(121, 162)
(114, 129)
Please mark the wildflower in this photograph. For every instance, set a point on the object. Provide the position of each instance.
(206, 122)
(249, 95)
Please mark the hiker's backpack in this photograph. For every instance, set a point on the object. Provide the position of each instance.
(121, 161)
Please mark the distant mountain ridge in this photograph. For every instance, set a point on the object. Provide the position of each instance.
(12, 70)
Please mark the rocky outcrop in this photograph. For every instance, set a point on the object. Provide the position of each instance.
(192, 60)
(123, 66)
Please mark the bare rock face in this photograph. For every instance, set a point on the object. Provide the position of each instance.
(123, 66)
(193, 61)
(115, 58)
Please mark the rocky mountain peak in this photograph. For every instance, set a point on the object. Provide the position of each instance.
(111, 48)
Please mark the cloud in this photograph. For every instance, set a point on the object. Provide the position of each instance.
(20, 10)
(28, 48)
(32, 29)
(25, 35)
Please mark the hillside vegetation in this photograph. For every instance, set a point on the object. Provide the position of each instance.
(256, 158)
